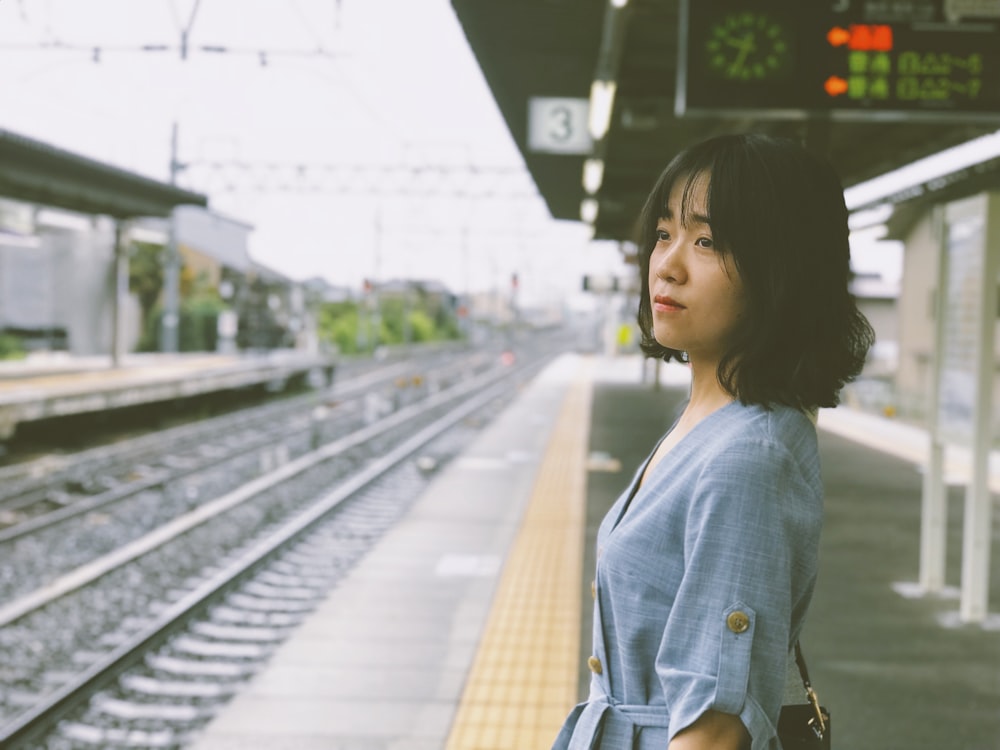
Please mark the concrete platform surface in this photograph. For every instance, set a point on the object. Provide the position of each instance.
(388, 662)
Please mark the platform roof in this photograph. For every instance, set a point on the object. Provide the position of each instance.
(35, 172)
(554, 48)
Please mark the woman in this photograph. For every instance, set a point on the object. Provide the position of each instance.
(706, 564)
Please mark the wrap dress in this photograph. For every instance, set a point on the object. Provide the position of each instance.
(703, 578)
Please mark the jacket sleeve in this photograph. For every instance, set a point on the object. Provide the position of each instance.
(750, 550)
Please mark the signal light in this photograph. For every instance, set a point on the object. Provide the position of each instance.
(838, 37)
(862, 37)
(835, 86)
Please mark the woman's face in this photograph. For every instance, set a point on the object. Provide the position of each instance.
(695, 291)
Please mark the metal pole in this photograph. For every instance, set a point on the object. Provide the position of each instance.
(977, 534)
(121, 290)
(934, 501)
(464, 250)
(376, 309)
(171, 266)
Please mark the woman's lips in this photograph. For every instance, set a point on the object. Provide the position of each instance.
(662, 303)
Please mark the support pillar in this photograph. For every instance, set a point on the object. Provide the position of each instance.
(934, 501)
(120, 293)
(965, 375)
(171, 292)
(977, 535)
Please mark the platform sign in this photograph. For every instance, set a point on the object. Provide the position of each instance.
(558, 125)
(965, 375)
(853, 59)
(965, 254)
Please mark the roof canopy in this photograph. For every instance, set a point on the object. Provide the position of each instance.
(35, 172)
(557, 48)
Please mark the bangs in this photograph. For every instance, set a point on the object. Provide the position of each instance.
(692, 169)
(692, 182)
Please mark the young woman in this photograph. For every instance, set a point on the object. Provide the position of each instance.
(706, 564)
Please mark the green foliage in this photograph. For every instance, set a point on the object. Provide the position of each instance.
(145, 281)
(149, 339)
(446, 325)
(145, 277)
(338, 325)
(199, 321)
(199, 324)
(10, 347)
(422, 327)
(350, 325)
(392, 329)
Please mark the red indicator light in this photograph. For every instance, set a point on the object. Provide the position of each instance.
(882, 38)
(838, 36)
(870, 37)
(861, 37)
(835, 86)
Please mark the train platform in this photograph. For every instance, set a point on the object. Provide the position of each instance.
(467, 626)
(40, 389)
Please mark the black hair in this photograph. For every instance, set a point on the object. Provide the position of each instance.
(777, 211)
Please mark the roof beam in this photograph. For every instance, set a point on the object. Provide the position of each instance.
(35, 172)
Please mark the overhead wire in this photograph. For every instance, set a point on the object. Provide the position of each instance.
(309, 27)
(96, 51)
(424, 180)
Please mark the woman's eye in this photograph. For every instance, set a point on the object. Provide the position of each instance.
(705, 242)
(662, 235)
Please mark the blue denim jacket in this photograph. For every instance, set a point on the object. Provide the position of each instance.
(704, 575)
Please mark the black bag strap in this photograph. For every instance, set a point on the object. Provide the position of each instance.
(800, 662)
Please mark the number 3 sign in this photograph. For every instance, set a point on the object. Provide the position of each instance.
(558, 125)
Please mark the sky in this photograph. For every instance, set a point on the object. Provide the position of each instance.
(359, 93)
(362, 93)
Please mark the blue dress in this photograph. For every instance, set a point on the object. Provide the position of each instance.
(704, 576)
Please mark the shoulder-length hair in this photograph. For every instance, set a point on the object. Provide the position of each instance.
(777, 211)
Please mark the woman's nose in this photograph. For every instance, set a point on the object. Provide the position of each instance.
(670, 265)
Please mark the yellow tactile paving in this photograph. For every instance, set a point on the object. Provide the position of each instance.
(524, 677)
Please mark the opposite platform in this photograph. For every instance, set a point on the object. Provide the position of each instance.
(33, 391)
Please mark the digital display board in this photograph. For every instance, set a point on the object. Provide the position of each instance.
(860, 59)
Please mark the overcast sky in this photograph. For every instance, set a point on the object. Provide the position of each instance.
(380, 84)
(384, 85)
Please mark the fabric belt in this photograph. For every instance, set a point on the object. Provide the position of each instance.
(615, 723)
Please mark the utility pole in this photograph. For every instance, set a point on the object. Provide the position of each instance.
(120, 292)
(185, 35)
(171, 266)
(376, 303)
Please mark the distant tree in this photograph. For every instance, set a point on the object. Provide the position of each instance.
(422, 326)
(200, 306)
(199, 325)
(145, 277)
(349, 324)
(11, 347)
(338, 324)
(392, 314)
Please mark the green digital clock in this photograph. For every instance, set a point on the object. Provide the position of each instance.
(748, 46)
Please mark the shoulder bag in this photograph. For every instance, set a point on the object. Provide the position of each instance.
(804, 726)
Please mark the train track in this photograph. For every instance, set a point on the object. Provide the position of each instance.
(141, 485)
(62, 485)
(168, 626)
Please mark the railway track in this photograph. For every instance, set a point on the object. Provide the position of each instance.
(142, 485)
(54, 484)
(168, 626)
